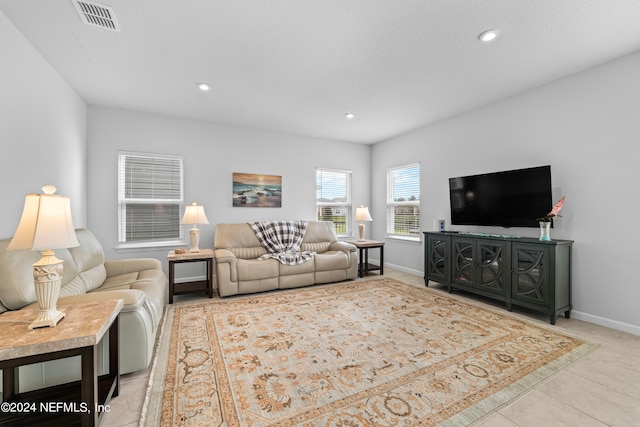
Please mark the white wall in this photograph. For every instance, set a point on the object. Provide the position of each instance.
(42, 131)
(43, 127)
(211, 154)
(587, 127)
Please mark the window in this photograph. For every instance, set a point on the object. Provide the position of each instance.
(403, 201)
(150, 199)
(333, 199)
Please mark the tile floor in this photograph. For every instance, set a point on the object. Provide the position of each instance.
(603, 389)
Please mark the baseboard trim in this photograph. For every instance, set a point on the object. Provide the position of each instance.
(403, 269)
(607, 323)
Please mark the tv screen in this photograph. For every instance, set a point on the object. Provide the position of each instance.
(514, 198)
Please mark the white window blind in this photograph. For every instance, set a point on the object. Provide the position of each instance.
(150, 199)
(403, 201)
(333, 198)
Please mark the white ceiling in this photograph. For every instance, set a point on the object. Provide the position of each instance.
(298, 66)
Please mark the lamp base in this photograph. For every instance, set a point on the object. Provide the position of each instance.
(194, 235)
(47, 274)
(361, 232)
(47, 318)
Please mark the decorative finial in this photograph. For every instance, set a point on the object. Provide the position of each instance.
(49, 189)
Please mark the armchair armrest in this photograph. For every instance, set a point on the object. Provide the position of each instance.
(125, 266)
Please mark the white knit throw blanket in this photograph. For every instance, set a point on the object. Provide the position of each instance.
(282, 240)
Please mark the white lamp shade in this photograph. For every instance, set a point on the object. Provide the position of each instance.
(46, 223)
(362, 214)
(194, 214)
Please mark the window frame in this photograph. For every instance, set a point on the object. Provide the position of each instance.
(392, 204)
(347, 205)
(123, 201)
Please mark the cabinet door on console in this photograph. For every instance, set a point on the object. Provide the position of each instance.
(492, 264)
(530, 274)
(480, 264)
(437, 258)
(462, 268)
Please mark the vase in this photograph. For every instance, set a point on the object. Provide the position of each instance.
(544, 230)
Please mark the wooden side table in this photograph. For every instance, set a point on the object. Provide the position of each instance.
(206, 285)
(79, 333)
(363, 256)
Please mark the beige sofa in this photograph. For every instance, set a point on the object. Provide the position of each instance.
(238, 271)
(140, 283)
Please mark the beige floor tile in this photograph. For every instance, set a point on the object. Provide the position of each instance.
(125, 409)
(606, 367)
(495, 420)
(537, 409)
(602, 402)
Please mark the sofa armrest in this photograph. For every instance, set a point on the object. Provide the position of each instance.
(124, 266)
(224, 255)
(132, 299)
(346, 247)
(226, 272)
(342, 246)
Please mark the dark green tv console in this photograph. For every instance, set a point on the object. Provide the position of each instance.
(520, 271)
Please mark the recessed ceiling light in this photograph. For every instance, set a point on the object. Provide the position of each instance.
(488, 36)
(350, 116)
(204, 87)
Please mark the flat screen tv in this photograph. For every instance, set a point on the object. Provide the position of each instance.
(514, 198)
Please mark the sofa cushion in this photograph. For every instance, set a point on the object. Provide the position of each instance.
(317, 247)
(235, 236)
(93, 277)
(320, 231)
(253, 269)
(120, 280)
(123, 266)
(305, 267)
(248, 253)
(332, 260)
(16, 276)
(89, 254)
(74, 287)
(260, 285)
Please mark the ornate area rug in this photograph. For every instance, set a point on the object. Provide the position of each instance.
(370, 353)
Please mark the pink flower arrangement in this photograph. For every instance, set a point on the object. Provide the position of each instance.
(554, 212)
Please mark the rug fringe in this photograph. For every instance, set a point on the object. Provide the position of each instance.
(158, 367)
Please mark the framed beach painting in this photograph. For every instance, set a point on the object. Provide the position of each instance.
(256, 190)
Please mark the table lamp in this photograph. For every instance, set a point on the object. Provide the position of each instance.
(362, 214)
(46, 224)
(194, 214)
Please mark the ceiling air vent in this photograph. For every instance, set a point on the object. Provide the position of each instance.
(97, 15)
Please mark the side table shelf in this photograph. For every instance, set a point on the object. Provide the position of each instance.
(206, 285)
